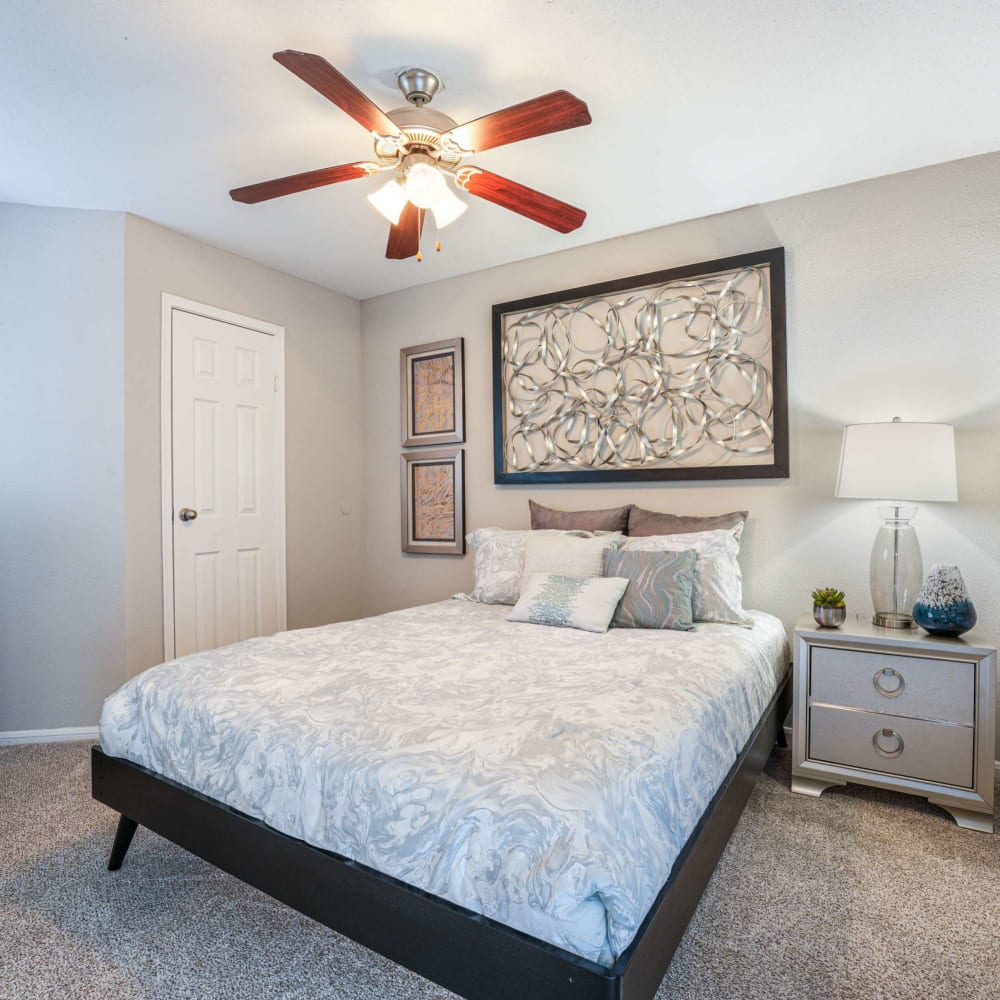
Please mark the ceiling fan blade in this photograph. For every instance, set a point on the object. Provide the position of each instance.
(334, 86)
(404, 237)
(525, 201)
(539, 116)
(265, 190)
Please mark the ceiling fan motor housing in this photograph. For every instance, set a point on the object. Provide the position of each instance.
(422, 130)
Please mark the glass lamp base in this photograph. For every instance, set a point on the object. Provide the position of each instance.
(896, 569)
(893, 619)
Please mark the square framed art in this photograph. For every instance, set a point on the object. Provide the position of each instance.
(431, 393)
(432, 495)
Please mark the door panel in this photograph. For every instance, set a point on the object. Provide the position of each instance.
(223, 458)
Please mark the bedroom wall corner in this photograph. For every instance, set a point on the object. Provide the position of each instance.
(62, 496)
(323, 424)
(889, 313)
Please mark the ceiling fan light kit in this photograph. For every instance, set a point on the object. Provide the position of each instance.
(390, 199)
(424, 148)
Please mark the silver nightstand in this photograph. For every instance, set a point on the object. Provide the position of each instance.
(899, 710)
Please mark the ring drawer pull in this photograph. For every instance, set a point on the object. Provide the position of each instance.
(887, 734)
(895, 679)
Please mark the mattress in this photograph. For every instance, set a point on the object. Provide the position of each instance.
(545, 777)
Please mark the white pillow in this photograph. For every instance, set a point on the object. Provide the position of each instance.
(569, 601)
(565, 555)
(499, 561)
(718, 582)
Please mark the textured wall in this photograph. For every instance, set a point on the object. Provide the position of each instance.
(891, 311)
(322, 424)
(61, 471)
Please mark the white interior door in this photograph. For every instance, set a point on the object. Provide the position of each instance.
(227, 540)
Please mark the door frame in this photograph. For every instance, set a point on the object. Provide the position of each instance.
(170, 303)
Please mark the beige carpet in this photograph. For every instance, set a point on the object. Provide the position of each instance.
(858, 894)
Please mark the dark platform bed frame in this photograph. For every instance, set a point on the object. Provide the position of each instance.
(463, 951)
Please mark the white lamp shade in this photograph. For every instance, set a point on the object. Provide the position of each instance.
(447, 208)
(425, 185)
(898, 461)
(390, 199)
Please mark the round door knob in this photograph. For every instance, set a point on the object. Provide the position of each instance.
(187, 514)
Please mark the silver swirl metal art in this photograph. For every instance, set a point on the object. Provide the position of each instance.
(670, 375)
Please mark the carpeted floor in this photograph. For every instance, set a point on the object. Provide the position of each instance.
(858, 894)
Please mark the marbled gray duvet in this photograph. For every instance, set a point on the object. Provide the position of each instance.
(545, 777)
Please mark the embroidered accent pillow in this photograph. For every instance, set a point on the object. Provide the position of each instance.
(659, 591)
(718, 582)
(568, 601)
(499, 561)
(565, 555)
(610, 519)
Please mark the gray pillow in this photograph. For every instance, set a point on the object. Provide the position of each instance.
(642, 523)
(660, 589)
(612, 519)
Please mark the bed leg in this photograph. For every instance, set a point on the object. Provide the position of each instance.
(123, 838)
(780, 738)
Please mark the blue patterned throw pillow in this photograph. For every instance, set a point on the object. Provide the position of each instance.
(568, 601)
(659, 590)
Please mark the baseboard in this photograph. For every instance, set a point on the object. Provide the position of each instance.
(48, 735)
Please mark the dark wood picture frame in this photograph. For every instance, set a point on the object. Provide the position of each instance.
(778, 469)
(472, 955)
(408, 358)
(408, 464)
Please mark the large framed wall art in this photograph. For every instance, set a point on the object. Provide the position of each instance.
(432, 495)
(431, 393)
(677, 374)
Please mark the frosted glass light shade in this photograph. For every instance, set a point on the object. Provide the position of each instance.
(898, 461)
(425, 185)
(447, 208)
(390, 200)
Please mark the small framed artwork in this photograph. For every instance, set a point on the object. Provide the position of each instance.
(433, 501)
(431, 393)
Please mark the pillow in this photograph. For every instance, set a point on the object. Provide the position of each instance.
(659, 590)
(651, 522)
(499, 560)
(718, 583)
(612, 519)
(565, 555)
(568, 601)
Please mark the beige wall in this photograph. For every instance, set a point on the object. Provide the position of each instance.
(61, 471)
(80, 591)
(323, 425)
(892, 285)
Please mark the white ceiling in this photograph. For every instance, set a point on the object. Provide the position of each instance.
(159, 107)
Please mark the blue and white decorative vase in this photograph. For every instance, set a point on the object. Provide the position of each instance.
(943, 606)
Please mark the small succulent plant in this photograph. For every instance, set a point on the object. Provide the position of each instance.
(828, 597)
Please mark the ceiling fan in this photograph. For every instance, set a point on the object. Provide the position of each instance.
(423, 148)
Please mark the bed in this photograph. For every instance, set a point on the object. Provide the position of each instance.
(510, 810)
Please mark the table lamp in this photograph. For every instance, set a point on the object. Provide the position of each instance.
(896, 462)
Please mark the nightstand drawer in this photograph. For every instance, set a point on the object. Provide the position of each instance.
(914, 686)
(930, 751)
